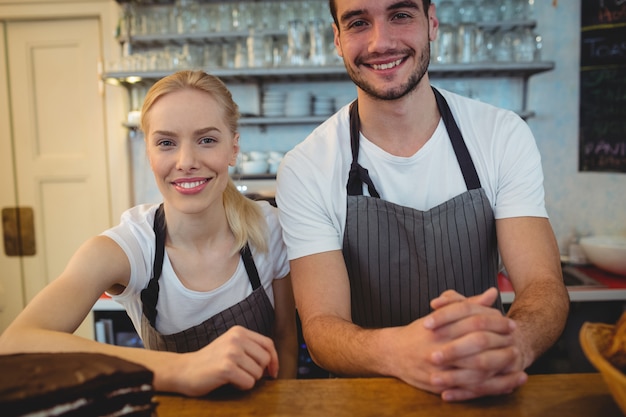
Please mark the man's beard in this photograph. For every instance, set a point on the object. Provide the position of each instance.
(400, 91)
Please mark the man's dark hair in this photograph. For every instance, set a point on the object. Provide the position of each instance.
(333, 9)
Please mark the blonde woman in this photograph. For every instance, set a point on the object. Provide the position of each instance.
(204, 275)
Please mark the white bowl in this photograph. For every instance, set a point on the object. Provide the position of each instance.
(606, 252)
(254, 167)
(257, 155)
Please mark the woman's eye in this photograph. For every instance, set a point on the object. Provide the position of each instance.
(207, 140)
(165, 143)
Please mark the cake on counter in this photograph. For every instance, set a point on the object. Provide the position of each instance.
(74, 384)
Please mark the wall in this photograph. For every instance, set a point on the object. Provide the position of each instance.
(588, 203)
(584, 201)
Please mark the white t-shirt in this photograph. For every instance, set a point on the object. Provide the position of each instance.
(180, 308)
(311, 183)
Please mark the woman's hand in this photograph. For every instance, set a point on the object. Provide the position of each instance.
(239, 357)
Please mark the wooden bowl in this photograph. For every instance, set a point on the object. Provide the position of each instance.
(594, 339)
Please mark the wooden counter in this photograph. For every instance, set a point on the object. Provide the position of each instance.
(570, 395)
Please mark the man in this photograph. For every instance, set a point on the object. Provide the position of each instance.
(396, 210)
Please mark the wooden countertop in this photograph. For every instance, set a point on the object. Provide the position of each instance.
(570, 395)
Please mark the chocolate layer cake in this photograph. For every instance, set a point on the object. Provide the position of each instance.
(73, 384)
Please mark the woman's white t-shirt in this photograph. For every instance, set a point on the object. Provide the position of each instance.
(180, 308)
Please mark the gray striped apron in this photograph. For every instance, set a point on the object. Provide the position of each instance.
(255, 312)
(399, 258)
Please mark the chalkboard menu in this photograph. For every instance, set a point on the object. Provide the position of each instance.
(603, 86)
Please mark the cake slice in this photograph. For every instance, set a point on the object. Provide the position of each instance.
(74, 384)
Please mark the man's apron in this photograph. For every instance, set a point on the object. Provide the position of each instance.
(255, 312)
(399, 258)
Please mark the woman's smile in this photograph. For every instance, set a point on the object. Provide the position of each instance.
(191, 185)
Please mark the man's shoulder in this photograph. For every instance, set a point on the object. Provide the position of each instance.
(462, 105)
(325, 144)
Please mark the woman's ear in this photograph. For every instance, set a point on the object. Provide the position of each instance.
(233, 159)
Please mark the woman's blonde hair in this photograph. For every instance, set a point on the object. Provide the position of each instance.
(244, 216)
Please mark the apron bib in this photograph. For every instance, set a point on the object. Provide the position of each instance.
(255, 312)
(399, 258)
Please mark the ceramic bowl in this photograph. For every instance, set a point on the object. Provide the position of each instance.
(253, 167)
(606, 252)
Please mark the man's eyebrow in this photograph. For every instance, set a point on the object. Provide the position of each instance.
(406, 4)
(351, 13)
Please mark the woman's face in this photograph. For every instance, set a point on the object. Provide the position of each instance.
(190, 148)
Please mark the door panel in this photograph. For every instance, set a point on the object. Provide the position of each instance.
(59, 138)
(11, 292)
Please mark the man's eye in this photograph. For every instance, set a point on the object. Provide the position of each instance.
(356, 24)
(400, 16)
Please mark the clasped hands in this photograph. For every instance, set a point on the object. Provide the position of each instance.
(464, 349)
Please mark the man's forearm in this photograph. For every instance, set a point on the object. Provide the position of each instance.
(345, 349)
(540, 312)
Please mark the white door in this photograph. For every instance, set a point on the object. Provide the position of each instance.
(58, 140)
(11, 292)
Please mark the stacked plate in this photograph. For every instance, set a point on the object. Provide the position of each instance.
(273, 103)
(323, 105)
(298, 103)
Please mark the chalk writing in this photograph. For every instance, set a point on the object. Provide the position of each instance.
(602, 137)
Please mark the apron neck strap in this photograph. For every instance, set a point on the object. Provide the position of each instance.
(248, 262)
(458, 144)
(150, 294)
(358, 175)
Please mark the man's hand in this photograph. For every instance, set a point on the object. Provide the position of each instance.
(479, 356)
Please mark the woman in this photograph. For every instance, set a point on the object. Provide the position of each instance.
(204, 276)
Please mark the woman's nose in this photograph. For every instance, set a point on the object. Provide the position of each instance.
(186, 157)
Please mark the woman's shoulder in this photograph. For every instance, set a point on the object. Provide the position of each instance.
(270, 213)
(136, 221)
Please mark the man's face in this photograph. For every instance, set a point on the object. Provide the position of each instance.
(385, 44)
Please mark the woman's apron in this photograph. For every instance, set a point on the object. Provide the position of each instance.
(255, 312)
(399, 258)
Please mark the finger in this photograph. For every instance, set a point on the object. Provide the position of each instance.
(487, 321)
(497, 385)
(486, 298)
(456, 311)
(474, 369)
(472, 344)
(265, 354)
(497, 361)
(446, 297)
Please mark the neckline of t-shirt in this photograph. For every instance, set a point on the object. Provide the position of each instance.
(438, 135)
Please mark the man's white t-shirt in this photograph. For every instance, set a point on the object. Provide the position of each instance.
(311, 183)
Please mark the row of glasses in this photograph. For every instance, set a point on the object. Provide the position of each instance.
(453, 12)
(257, 50)
(194, 16)
(469, 43)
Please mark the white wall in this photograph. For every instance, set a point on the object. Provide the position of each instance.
(589, 202)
